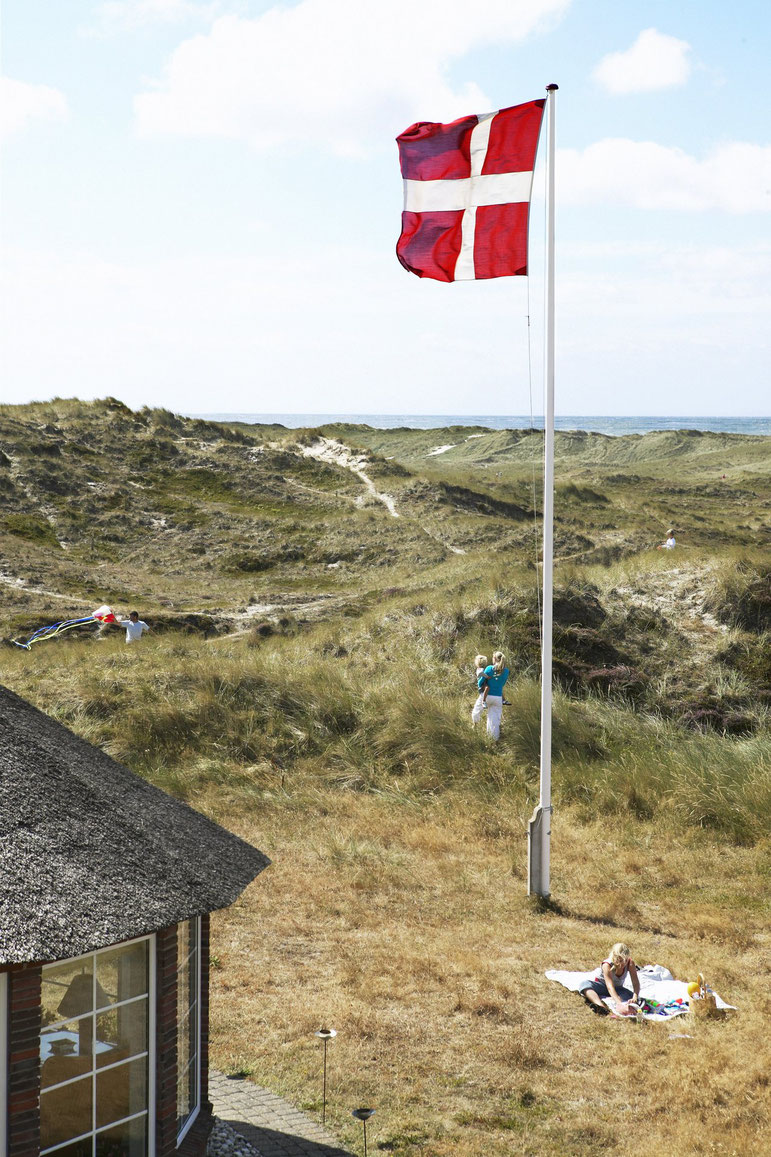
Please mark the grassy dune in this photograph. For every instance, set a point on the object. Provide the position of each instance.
(333, 731)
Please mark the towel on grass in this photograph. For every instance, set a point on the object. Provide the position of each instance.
(664, 996)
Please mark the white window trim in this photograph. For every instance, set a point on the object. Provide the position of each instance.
(197, 1109)
(150, 1053)
(3, 1062)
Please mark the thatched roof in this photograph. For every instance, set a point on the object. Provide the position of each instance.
(90, 854)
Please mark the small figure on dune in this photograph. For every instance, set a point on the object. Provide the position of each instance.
(495, 677)
(480, 662)
(135, 627)
(670, 542)
(612, 979)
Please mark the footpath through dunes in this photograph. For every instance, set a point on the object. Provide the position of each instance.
(681, 595)
(328, 450)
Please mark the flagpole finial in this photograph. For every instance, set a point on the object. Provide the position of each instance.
(552, 87)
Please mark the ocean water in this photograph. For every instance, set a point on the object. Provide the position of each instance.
(597, 424)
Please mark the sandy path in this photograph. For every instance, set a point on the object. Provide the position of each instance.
(680, 595)
(20, 585)
(328, 450)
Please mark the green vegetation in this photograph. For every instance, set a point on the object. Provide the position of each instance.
(309, 683)
(30, 526)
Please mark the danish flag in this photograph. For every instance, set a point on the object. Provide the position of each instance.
(467, 189)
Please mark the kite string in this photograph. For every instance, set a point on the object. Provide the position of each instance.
(533, 461)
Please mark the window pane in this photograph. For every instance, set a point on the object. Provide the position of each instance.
(183, 1045)
(127, 1140)
(67, 990)
(121, 1032)
(184, 942)
(65, 1112)
(65, 1051)
(121, 1091)
(122, 973)
(77, 1149)
(183, 980)
(190, 1082)
(188, 985)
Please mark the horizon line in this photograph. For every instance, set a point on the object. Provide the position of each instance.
(402, 414)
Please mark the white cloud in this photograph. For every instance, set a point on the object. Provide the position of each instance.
(734, 177)
(681, 330)
(337, 73)
(654, 61)
(21, 103)
(682, 327)
(127, 15)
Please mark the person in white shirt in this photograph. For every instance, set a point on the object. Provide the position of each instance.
(134, 627)
(670, 543)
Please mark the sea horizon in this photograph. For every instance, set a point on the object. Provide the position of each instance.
(611, 425)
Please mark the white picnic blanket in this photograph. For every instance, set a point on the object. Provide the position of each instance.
(664, 996)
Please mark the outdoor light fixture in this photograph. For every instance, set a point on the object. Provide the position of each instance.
(363, 1115)
(325, 1034)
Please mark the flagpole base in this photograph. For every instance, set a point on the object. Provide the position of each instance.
(538, 848)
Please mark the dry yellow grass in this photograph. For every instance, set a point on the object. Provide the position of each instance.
(407, 929)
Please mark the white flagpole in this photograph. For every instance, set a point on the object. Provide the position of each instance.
(539, 830)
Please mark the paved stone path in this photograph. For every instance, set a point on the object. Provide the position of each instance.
(272, 1125)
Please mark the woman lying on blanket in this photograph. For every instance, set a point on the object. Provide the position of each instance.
(611, 979)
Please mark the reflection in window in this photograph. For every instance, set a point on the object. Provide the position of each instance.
(94, 1054)
(188, 1023)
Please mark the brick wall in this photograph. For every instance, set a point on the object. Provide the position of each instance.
(24, 1061)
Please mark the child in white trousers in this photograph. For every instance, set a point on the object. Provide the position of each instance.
(480, 662)
(495, 677)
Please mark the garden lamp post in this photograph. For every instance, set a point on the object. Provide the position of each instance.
(363, 1115)
(325, 1034)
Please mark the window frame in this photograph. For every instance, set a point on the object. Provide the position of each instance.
(150, 996)
(196, 956)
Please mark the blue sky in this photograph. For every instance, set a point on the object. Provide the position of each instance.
(201, 202)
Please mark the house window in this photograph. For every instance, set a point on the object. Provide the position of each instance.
(188, 1024)
(95, 1045)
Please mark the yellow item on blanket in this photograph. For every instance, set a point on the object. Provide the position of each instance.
(693, 987)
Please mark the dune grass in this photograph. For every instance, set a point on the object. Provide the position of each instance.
(369, 719)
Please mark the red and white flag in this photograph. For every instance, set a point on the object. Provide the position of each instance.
(467, 192)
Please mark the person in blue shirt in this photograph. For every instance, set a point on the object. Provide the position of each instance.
(495, 676)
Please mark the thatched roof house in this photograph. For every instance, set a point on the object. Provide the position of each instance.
(106, 885)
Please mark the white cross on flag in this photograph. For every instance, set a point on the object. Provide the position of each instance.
(467, 192)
